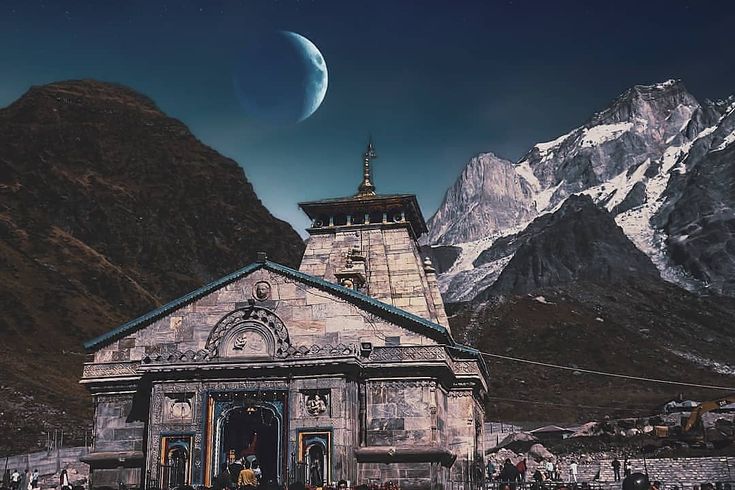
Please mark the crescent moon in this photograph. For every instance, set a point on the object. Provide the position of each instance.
(319, 80)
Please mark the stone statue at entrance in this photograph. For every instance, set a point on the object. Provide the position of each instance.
(315, 473)
(315, 405)
(251, 448)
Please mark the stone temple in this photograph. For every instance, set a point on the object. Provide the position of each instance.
(343, 369)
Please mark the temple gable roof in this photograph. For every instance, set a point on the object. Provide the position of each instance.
(389, 312)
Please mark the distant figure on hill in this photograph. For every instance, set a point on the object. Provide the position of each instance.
(616, 469)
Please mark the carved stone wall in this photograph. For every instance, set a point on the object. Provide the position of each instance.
(312, 316)
(396, 271)
(165, 419)
(464, 432)
(340, 418)
(112, 431)
(400, 413)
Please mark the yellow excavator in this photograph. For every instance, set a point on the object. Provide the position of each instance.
(705, 407)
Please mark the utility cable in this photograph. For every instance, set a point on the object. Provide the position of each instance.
(612, 375)
(379, 334)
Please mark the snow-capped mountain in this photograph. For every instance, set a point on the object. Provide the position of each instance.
(658, 160)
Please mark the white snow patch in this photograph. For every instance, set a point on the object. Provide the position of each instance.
(543, 198)
(597, 135)
(543, 300)
(470, 251)
(681, 129)
(524, 170)
(636, 223)
(729, 139)
(545, 147)
(667, 83)
(718, 367)
(618, 187)
(466, 284)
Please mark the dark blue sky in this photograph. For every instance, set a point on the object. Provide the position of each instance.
(434, 81)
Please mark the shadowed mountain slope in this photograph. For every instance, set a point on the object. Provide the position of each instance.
(108, 208)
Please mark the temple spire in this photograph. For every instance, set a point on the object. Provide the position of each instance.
(366, 186)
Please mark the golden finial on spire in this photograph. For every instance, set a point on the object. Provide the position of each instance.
(366, 186)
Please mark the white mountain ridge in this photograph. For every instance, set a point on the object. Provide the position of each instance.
(623, 158)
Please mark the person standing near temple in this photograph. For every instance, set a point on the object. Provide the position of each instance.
(573, 471)
(15, 480)
(522, 467)
(25, 480)
(246, 480)
(34, 478)
(490, 469)
(550, 470)
(257, 470)
(315, 473)
(64, 480)
(223, 480)
(616, 469)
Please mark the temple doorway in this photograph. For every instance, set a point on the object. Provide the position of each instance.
(253, 433)
(316, 462)
(315, 452)
(175, 463)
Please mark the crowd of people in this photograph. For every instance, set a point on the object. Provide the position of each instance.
(16, 480)
(547, 471)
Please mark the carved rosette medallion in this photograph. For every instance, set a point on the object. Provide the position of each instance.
(316, 404)
(249, 332)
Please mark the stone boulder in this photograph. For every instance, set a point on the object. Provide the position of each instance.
(539, 453)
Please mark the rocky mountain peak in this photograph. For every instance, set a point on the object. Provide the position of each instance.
(579, 242)
(636, 127)
(646, 102)
(86, 96)
(488, 195)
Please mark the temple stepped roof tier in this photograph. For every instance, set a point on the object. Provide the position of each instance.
(398, 210)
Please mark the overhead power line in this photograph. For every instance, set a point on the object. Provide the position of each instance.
(565, 405)
(611, 375)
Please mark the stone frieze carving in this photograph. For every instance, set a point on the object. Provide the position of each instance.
(400, 384)
(178, 357)
(459, 394)
(110, 369)
(323, 350)
(393, 354)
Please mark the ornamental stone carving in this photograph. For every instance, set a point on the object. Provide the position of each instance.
(262, 291)
(251, 332)
(316, 404)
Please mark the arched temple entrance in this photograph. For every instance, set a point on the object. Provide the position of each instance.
(316, 464)
(252, 432)
(175, 463)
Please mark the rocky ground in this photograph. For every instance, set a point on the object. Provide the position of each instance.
(600, 328)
